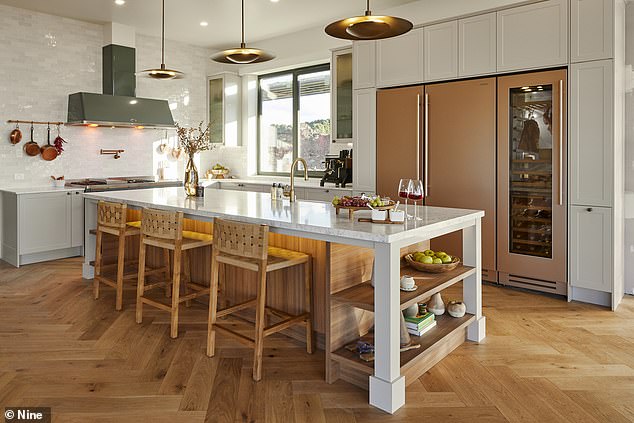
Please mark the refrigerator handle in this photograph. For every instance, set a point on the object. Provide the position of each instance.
(561, 140)
(417, 136)
(426, 170)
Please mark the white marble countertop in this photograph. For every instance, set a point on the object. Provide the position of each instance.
(269, 180)
(39, 190)
(307, 217)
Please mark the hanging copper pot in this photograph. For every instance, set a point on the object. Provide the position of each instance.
(48, 151)
(31, 148)
(16, 135)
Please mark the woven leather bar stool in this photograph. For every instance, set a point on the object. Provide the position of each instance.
(246, 246)
(112, 220)
(164, 230)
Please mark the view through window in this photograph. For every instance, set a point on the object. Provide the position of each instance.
(294, 119)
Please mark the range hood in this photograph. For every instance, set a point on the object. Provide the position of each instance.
(118, 106)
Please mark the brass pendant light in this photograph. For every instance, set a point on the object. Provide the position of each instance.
(163, 72)
(368, 27)
(242, 55)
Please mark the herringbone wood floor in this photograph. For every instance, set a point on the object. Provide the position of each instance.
(543, 360)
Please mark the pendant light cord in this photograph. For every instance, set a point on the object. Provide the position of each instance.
(367, 8)
(163, 35)
(242, 44)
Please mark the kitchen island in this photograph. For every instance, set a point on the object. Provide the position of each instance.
(347, 254)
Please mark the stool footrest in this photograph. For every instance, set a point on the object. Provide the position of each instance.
(106, 281)
(240, 337)
(285, 324)
(156, 304)
(150, 286)
(236, 308)
(191, 296)
(198, 287)
(279, 313)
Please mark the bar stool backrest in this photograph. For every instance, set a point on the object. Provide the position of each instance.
(111, 215)
(162, 224)
(241, 239)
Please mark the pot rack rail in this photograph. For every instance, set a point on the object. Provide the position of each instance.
(33, 122)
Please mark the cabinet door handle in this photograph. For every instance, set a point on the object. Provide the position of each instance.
(68, 193)
(561, 142)
(417, 136)
(426, 193)
(589, 209)
(327, 191)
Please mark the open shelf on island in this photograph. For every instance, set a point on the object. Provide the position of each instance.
(362, 295)
(445, 327)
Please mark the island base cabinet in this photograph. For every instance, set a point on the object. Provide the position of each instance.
(591, 254)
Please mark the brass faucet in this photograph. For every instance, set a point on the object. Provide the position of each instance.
(291, 194)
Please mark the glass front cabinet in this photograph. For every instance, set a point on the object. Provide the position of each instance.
(341, 95)
(223, 108)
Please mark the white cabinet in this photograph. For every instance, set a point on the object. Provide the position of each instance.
(441, 51)
(324, 194)
(42, 226)
(364, 128)
(591, 133)
(477, 54)
(591, 248)
(533, 36)
(363, 64)
(399, 60)
(591, 30)
(224, 108)
(45, 222)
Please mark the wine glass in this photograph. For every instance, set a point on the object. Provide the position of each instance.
(403, 192)
(415, 193)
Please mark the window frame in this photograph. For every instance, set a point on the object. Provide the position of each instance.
(296, 98)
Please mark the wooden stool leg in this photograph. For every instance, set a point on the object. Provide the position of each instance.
(188, 275)
(168, 272)
(98, 259)
(259, 324)
(308, 277)
(213, 305)
(140, 290)
(176, 282)
(120, 267)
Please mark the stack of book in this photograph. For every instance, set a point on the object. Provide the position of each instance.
(420, 324)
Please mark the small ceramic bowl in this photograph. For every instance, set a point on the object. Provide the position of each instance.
(59, 183)
(379, 214)
(407, 282)
(397, 216)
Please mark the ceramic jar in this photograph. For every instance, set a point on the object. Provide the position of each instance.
(456, 308)
(436, 305)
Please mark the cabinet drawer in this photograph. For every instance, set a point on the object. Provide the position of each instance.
(591, 248)
(324, 194)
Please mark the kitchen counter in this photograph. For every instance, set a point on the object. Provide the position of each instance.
(357, 247)
(269, 180)
(38, 190)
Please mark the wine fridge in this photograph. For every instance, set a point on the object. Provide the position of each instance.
(532, 181)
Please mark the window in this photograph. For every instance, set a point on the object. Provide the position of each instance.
(294, 119)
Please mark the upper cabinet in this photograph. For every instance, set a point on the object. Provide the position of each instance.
(364, 163)
(533, 36)
(341, 95)
(399, 60)
(441, 51)
(223, 108)
(363, 64)
(477, 54)
(592, 155)
(591, 30)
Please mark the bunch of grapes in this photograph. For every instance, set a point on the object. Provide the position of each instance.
(347, 201)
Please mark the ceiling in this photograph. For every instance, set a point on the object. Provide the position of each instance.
(264, 18)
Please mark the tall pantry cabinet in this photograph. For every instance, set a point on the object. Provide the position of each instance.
(597, 79)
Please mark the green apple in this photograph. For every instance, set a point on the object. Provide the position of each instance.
(427, 260)
(446, 259)
(440, 253)
(429, 253)
(437, 261)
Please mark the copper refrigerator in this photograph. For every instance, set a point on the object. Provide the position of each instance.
(443, 134)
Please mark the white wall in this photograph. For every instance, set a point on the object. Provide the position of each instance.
(629, 153)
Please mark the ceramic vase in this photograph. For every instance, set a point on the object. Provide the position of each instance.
(456, 309)
(191, 176)
(411, 311)
(436, 305)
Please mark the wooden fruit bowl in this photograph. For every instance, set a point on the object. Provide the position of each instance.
(432, 268)
(351, 209)
(218, 173)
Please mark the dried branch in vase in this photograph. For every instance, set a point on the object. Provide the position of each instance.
(194, 140)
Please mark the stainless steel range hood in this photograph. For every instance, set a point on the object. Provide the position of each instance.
(118, 106)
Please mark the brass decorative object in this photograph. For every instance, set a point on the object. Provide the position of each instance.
(368, 26)
(163, 72)
(242, 55)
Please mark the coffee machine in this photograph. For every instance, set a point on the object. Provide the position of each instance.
(338, 169)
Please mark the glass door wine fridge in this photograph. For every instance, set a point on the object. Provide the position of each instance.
(532, 181)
